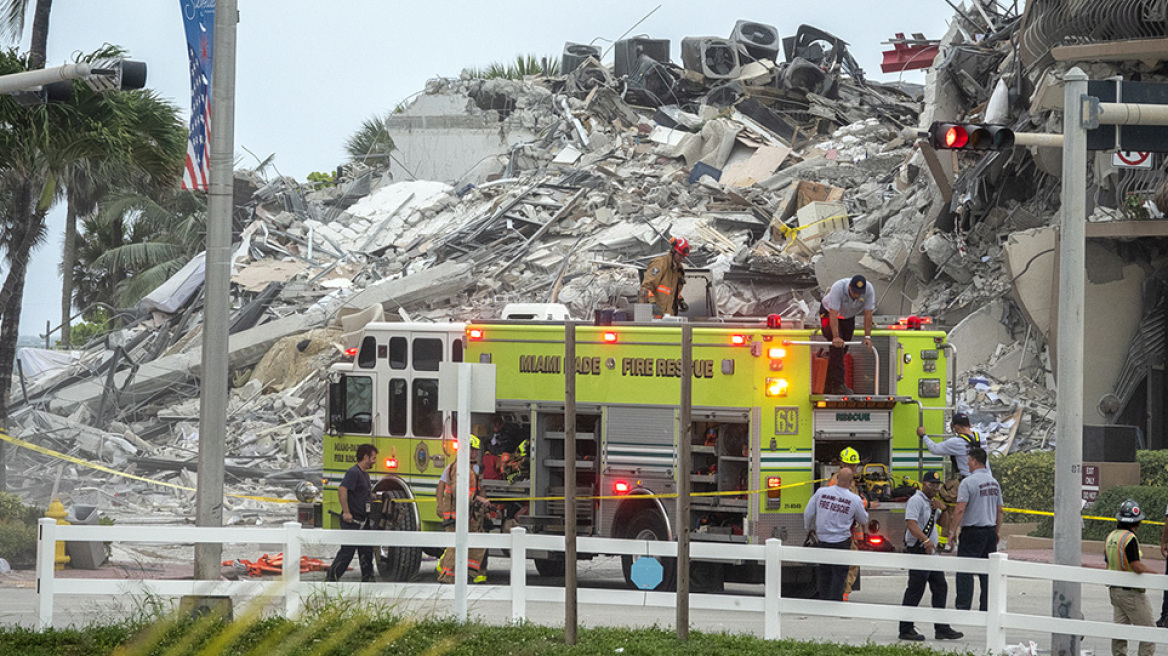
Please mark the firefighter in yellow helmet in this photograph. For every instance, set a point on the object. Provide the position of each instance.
(447, 505)
(664, 279)
(850, 458)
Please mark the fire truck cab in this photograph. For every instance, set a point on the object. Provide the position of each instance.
(761, 438)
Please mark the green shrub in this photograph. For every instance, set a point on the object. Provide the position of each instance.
(13, 510)
(1153, 467)
(1027, 481)
(18, 544)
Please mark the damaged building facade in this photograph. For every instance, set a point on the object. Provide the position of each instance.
(781, 163)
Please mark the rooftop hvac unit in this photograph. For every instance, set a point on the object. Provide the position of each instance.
(760, 40)
(576, 54)
(651, 83)
(627, 51)
(717, 59)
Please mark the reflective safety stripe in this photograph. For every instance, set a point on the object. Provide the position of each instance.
(664, 290)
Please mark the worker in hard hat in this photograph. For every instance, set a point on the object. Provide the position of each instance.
(447, 506)
(850, 459)
(664, 279)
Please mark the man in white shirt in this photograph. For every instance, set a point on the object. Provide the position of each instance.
(830, 514)
(847, 298)
(921, 514)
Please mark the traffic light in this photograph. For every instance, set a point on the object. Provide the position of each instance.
(970, 136)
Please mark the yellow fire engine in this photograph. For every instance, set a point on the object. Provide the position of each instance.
(761, 440)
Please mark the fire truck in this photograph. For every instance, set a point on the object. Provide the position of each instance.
(761, 438)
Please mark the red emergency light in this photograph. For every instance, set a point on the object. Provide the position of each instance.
(774, 321)
(475, 334)
(391, 463)
(875, 540)
(610, 338)
(620, 487)
(774, 482)
(351, 352)
(738, 340)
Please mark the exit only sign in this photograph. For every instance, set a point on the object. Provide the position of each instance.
(1090, 483)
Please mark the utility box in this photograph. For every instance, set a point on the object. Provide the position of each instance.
(84, 555)
(818, 218)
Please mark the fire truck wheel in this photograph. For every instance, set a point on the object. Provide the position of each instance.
(649, 525)
(551, 567)
(399, 563)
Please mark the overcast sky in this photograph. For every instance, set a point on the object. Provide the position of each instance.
(308, 73)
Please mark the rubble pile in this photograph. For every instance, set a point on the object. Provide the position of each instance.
(785, 168)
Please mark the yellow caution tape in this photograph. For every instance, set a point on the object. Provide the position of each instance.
(1047, 513)
(84, 463)
(792, 233)
(672, 495)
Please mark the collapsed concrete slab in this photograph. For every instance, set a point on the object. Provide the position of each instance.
(979, 336)
(445, 280)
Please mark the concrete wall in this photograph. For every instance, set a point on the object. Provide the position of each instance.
(444, 148)
(1114, 307)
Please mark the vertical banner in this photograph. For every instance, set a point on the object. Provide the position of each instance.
(199, 21)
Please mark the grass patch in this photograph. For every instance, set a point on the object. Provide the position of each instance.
(338, 630)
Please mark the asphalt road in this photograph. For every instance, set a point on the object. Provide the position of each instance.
(18, 605)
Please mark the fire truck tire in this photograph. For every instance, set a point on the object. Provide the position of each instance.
(649, 525)
(399, 563)
(551, 567)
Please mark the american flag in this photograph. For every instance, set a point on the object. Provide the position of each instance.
(199, 23)
(196, 174)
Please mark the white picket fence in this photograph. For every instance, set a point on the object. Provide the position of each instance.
(772, 606)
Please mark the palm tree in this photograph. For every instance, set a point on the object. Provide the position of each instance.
(371, 143)
(149, 143)
(12, 13)
(134, 243)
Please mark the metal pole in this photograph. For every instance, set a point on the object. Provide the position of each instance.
(462, 494)
(684, 470)
(213, 387)
(32, 79)
(1068, 481)
(571, 615)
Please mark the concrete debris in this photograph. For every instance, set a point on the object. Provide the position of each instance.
(786, 169)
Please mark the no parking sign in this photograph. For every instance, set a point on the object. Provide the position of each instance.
(1132, 159)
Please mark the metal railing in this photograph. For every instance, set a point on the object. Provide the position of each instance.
(772, 605)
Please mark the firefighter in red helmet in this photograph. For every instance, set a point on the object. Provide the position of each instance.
(664, 279)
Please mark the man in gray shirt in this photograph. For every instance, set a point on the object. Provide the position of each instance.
(847, 298)
(921, 514)
(977, 521)
(956, 447)
(830, 514)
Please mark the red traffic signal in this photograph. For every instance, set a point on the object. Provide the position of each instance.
(970, 136)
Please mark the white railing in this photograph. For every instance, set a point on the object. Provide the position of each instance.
(996, 620)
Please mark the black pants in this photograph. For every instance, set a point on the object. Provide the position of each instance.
(833, 578)
(345, 556)
(835, 356)
(917, 578)
(974, 542)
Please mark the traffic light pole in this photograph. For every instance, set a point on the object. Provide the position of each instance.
(1068, 481)
(32, 79)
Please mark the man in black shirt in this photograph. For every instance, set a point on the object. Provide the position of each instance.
(354, 493)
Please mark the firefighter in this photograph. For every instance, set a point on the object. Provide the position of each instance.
(664, 279)
(957, 448)
(830, 514)
(515, 464)
(850, 459)
(447, 506)
(837, 314)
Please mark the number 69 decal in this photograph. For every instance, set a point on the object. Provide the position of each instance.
(786, 421)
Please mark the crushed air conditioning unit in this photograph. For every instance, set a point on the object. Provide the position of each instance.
(576, 54)
(716, 59)
(626, 52)
(651, 83)
(760, 40)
